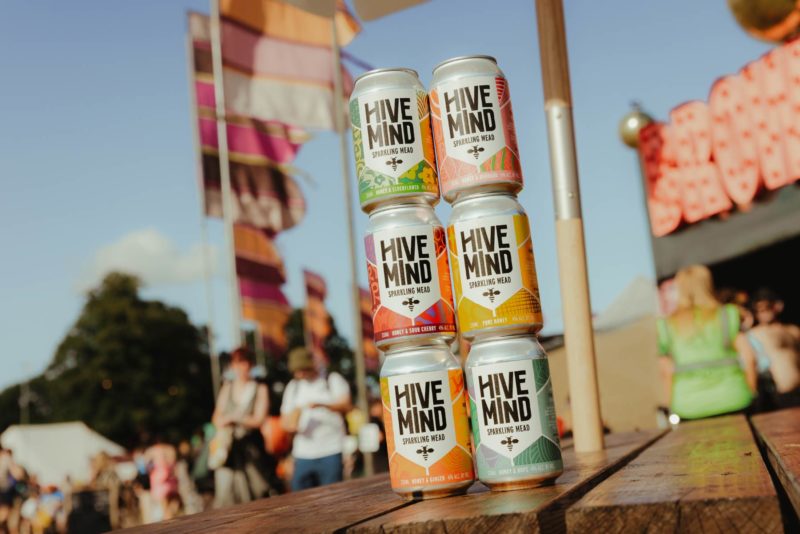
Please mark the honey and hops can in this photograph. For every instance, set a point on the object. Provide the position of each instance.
(427, 428)
(392, 138)
(473, 127)
(494, 273)
(409, 275)
(515, 434)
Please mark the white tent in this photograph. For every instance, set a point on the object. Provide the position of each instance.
(55, 451)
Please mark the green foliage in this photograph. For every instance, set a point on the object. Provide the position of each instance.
(128, 368)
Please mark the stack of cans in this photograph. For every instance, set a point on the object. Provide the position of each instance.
(488, 245)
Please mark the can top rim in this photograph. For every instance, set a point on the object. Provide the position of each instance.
(477, 194)
(385, 70)
(411, 346)
(410, 202)
(461, 58)
(505, 338)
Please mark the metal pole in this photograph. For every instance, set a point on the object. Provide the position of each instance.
(210, 329)
(224, 171)
(578, 334)
(338, 112)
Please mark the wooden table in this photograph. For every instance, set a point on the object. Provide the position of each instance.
(704, 476)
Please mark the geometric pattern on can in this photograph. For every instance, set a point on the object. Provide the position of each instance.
(427, 430)
(409, 278)
(393, 144)
(476, 144)
(494, 272)
(513, 419)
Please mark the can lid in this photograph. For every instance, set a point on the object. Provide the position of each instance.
(478, 193)
(462, 58)
(386, 70)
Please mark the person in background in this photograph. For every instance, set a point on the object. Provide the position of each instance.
(777, 348)
(241, 409)
(313, 410)
(10, 474)
(707, 365)
(163, 482)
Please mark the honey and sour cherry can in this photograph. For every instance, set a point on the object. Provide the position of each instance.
(515, 434)
(409, 275)
(473, 128)
(425, 417)
(493, 268)
(392, 138)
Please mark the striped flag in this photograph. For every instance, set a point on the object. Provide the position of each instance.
(316, 319)
(260, 271)
(264, 194)
(278, 61)
(375, 9)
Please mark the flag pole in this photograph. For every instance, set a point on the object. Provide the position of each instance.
(224, 171)
(210, 328)
(578, 334)
(338, 115)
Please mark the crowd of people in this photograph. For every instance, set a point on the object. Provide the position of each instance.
(726, 351)
(722, 352)
(241, 455)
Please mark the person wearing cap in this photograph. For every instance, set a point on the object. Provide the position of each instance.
(313, 410)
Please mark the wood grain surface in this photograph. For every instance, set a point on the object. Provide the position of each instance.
(327, 509)
(779, 433)
(535, 510)
(705, 476)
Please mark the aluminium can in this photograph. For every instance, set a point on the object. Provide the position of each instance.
(392, 139)
(493, 267)
(473, 128)
(515, 434)
(426, 423)
(409, 275)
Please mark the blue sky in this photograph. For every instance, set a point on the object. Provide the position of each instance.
(97, 165)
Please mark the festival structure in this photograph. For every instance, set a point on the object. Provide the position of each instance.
(718, 178)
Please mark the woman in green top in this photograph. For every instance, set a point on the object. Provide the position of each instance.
(707, 365)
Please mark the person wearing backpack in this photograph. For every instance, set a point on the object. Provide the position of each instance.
(707, 364)
(313, 409)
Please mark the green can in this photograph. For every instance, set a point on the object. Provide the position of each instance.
(392, 139)
(515, 435)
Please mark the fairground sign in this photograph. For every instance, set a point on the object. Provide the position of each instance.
(713, 156)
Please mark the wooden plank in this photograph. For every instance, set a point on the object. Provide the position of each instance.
(325, 509)
(534, 510)
(705, 476)
(779, 433)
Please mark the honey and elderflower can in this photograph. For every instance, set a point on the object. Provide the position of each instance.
(494, 273)
(473, 127)
(392, 138)
(427, 429)
(514, 429)
(409, 275)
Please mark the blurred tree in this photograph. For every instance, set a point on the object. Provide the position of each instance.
(129, 368)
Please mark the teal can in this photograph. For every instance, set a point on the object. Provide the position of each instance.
(514, 429)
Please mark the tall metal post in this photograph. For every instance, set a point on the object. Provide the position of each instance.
(224, 171)
(207, 274)
(338, 97)
(578, 333)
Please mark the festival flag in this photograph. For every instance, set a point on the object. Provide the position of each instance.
(278, 61)
(316, 320)
(260, 273)
(289, 21)
(264, 194)
(371, 355)
(257, 257)
(372, 9)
